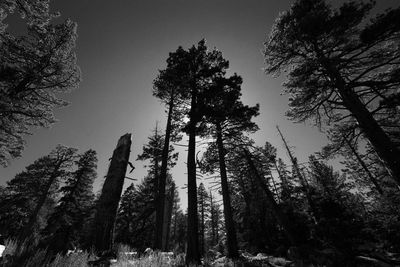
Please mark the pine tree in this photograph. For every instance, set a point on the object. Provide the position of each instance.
(341, 69)
(167, 93)
(214, 222)
(154, 152)
(191, 72)
(21, 195)
(229, 119)
(34, 67)
(59, 162)
(203, 208)
(65, 223)
(135, 222)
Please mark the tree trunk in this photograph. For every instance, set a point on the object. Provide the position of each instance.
(168, 217)
(280, 216)
(303, 181)
(364, 166)
(162, 181)
(192, 250)
(212, 212)
(381, 142)
(229, 223)
(28, 229)
(107, 207)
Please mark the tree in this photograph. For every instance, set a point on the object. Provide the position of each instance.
(230, 119)
(214, 222)
(21, 195)
(192, 72)
(107, 205)
(341, 68)
(280, 216)
(203, 208)
(64, 226)
(167, 93)
(58, 165)
(178, 226)
(154, 152)
(135, 223)
(347, 146)
(339, 218)
(33, 69)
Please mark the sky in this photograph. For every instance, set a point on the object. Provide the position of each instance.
(122, 45)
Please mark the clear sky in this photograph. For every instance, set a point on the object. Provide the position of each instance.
(121, 46)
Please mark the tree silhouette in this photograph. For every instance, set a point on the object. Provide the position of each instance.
(167, 93)
(65, 223)
(58, 167)
(192, 72)
(340, 68)
(228, 119)
(33, 68)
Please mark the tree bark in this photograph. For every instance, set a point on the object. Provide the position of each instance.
(192, 250)
(159, 242)
(229, 223)
(380, 141)
(168, 218)
(107, 207)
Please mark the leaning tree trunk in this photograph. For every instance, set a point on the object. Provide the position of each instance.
(229, 223)
(302, 179)
(107, 206)
(28, 229)
(373, 180)
(160, 235)
(379, 140)
(192, 250)
(280, 216)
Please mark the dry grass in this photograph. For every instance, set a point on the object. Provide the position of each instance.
(80, 259)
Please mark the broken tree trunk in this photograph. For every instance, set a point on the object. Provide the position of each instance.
(107, 206)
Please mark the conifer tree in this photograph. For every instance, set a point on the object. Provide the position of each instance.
(58, 165)
(154, 152)
(34, 68)
(341, 69)
(192, 72)
(65, 223)
(203, 208)
(229, 118)
(167, 93)
(21, 195)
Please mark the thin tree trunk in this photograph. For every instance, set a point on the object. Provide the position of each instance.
(229, 223)
(381, 142)
(162, 180)
(303, 181)
(280, 216)
(192, 250)
(364, 166)
(212, 212)
(28, 229)
(107, 207)
(168, 217)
